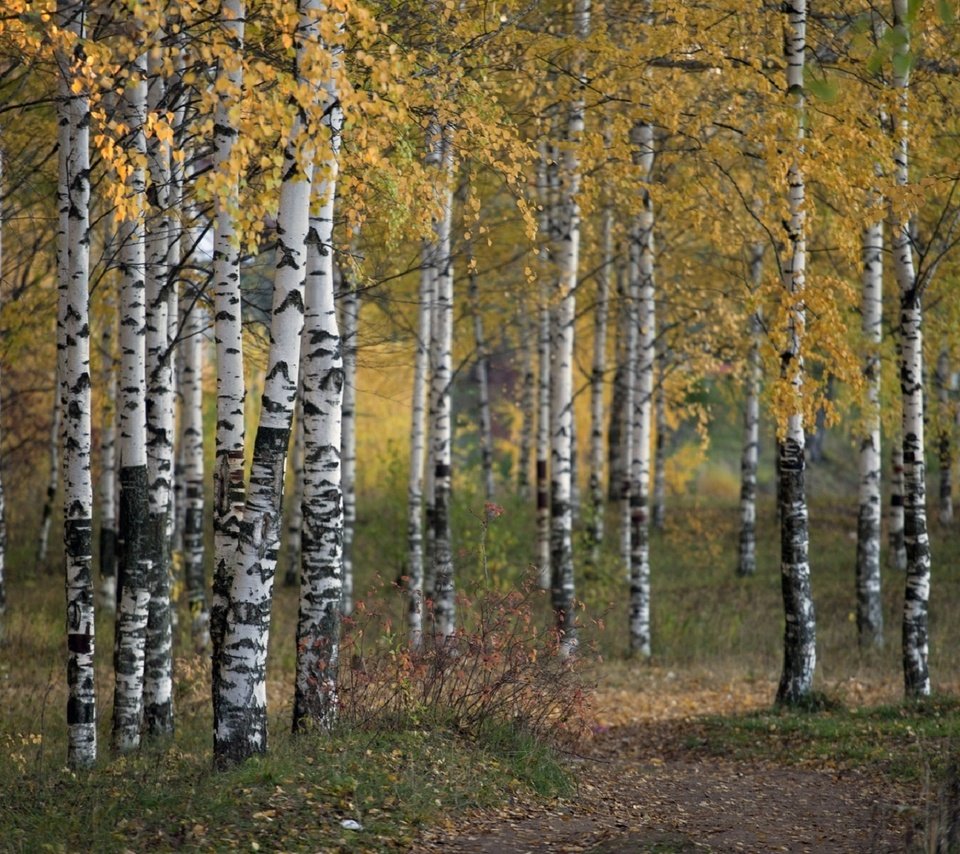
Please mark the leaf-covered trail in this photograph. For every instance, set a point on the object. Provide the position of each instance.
(649, 784)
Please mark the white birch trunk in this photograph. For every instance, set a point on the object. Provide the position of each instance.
(191, 441)
(74, 376)
(350, 302)
(869, 602)
(544, 355)
(158, 672)
(442, 432)
(597, 507)
(659, 514)
(421, 368)
(107, 486)
(898, 548)
(561, 456)
(640, 643)
(916, 538)
(628, 409)
(134, 567)
(482, 376)
(749, 458)
(321, 588)
(295, 521)
(228, 486)
(618, 466)
(799, 647)
(944, 444)
(240, 707)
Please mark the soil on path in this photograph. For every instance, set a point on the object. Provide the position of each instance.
(647, 785)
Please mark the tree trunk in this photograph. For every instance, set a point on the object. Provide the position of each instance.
(799, 642)
(618, 466)
(915, 606)
(944, 444)
(869, 602)
(544, 358)
(442, 433)
(482, 376)
(659, 514)
(193, 474)
(228, 486)
(568, 262)
(350, 302)
(527, 398)
(749, 457)
(240, 722)
(643, 407)
(295, 520)
(158, 672)
(628, 408)
(601, 314)
(107, 486)
(898, 547)
(321, 588)
(134, 568)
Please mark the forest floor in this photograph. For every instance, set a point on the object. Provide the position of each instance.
(688, 764)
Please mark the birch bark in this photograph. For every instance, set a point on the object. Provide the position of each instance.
(601, 314)
(107, 486)
(869, 603)
(898, 547)
(442, 428)
(568, 258)
(321, 588)
(944, 445)
(916, 538)
(295, 521)
(240, 706)
(54, 482)
(134, 568)
(158, 667)
(643, 406)
(73, 341)
(749, 457)
(799, 646)
(228, 486)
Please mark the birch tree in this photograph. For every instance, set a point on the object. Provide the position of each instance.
(869, 603)
(321, 587)
(749, 456)
(895, 520)
(568, 258)
(799, 646)
(240, 702)
(107, 486)
(916, 538)
(544, 355)
(73, 344)
(135, 565)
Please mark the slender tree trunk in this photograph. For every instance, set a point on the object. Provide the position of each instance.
(643, 409)
(629, 409)
(481, 375)
(618, 467)
(527, 398)
(568, 262)
(442, 433)
(869, 602)
(107, 486)
(749, 457)
(350, 301)
(53, 483)
(421, 369)
(799, 643)
(240, 710)
(659, 514)
(544, 356)
(73, 340)
(193, 475)
(898, 548)
(944, 445)
(916, 538)
(601, 314)
(134, 568)
(228, 486)
(158, 673)
(321, 588)
(295, 520)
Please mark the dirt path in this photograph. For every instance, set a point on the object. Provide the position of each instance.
(644, 791)
(647, 785)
